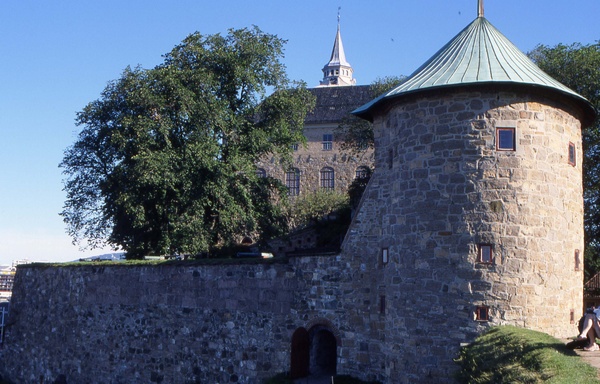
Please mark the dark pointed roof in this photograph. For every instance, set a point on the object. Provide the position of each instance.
(479, 54)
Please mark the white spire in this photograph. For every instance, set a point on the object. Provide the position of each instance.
(338, 71)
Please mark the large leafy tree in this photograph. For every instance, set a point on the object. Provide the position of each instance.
(165, 161)
(578, 67)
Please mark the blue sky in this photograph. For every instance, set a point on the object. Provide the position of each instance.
(57, 56)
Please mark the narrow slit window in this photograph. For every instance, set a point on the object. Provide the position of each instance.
(572, 316)
(577, 260)
(382, 304)
(572, 155)
(505, 139)
(485, 254)
(482, 313)
(385, 256)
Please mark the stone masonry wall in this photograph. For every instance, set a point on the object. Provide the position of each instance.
(178, 324)
(441, 189)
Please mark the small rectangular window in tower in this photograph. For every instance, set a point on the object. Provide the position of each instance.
(485, 254)
(295, 147)
(382, 304)
(572, 316)
(385, 256)
(327, 142)
(572, 155)
(482, 313)
(505, 139)
(577, 260)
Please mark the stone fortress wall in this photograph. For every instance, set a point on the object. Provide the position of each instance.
(169, 324)
(440, 190)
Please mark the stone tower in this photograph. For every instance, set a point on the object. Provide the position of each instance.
(474, 215)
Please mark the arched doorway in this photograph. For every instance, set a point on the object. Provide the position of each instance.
(314, 352)
(323, 351)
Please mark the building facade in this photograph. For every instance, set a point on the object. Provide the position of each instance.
(321, 164)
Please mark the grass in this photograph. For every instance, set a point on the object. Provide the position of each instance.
(184, 263)
(514, 355)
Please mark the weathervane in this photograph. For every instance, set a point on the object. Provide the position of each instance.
(479, 8)
(339, 9)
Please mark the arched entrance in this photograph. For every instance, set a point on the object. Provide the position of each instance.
(314, 352)
(323, 351)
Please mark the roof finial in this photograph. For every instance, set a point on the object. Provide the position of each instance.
(480, 8)
(339, 9)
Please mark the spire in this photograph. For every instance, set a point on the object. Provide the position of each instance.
(480, 8)
(338, 71)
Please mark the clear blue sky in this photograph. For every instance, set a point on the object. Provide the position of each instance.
(56, 56)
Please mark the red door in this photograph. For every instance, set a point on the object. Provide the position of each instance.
(300, 354)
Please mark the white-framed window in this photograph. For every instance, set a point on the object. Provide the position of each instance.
(328, 178)
(505, 139)
(327, 142)
(362, 172)
(261, 173)
(292, 181)
(485, 253)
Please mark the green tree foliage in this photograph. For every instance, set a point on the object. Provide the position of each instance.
(311, 207)
(356, 134)
(357, 188)
(165, 162)
(578, 67)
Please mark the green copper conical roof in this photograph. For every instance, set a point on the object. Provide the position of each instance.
(479, 54)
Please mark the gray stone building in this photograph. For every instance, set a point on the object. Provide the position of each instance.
(321, 164)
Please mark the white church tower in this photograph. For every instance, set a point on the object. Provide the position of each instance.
(338, 72)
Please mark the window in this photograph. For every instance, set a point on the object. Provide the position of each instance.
(327, 178)
(327, 142)
(482, 313)
(362, 172)
(295, 147)
(385, 256)
(505, 139)
(572, 156)
(261, 173)
(577, 260)
(485, 254)
(572, 316)
(292, 181)
(382, 304)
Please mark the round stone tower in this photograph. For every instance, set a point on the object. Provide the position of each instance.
(474, 215)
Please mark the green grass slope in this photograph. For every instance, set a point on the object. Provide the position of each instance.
(515, 355)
